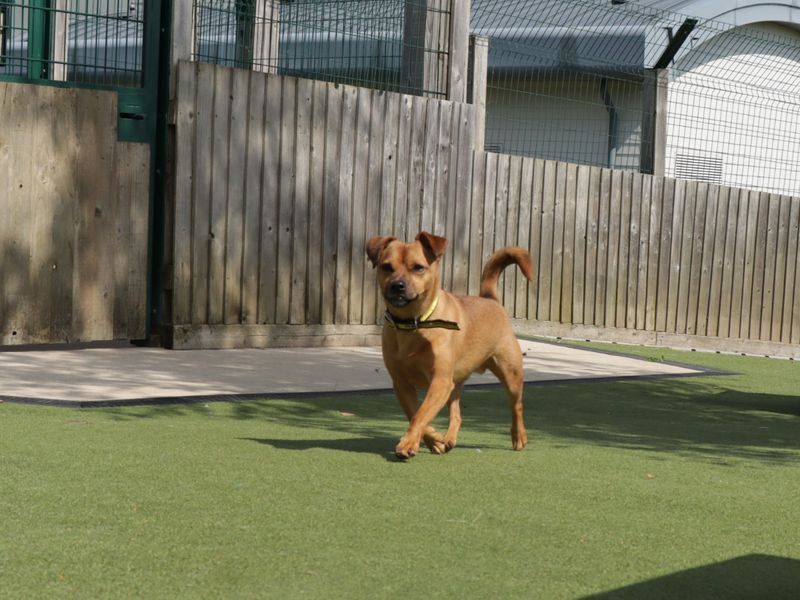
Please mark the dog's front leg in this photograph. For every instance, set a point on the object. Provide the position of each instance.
(438, 393)
(407, 396)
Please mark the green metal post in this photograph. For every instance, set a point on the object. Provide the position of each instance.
(38, 38)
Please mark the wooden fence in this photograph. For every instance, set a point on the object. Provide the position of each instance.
(279, 182)
(74, 223)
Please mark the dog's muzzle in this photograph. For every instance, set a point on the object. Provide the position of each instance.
(396, 293)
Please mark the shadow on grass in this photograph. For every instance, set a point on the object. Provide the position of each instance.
(752, 577)
(381, 446)
(695, 417)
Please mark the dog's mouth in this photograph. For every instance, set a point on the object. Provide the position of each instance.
(399, 300)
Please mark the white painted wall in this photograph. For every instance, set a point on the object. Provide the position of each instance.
(563, 118)
(741, 109)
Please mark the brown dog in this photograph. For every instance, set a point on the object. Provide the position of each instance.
(435, 340)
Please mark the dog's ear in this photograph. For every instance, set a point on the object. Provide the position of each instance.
(433, 245)
(375, 246)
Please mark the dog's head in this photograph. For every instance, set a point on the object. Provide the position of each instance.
(408, 274)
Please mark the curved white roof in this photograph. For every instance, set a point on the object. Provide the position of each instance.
(734, 12)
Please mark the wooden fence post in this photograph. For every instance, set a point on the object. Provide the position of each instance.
(267, 28)
(435, 48)
(182, 46)
(654, 121)
(458, 50)
(60, 52)
(478, 64)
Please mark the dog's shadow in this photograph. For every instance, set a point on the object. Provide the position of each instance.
(383, 447)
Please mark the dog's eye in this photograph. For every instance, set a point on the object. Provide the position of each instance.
(387, 267)
(418, 268)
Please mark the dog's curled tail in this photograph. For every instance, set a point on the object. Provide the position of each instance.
(499, 261)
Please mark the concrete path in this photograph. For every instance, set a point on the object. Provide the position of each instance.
(129, 375)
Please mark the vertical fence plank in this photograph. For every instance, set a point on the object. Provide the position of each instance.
(740, 266)
(684, 258)
(717, 260)
(728, 261)
(780, 268)
(603, 227)
(592, 245)
(512, 227)
(286, 199)
(656, 190)
(330, 217)
(416, 176)
(185, 193)
(402, 187)
(558, 242)
(270, 189)
(254, 160)
(300, 218)
(476, 222)
(220, 169)
(700, 322)
(548, 218)
(642, 186)
(625, 224)
(633, 254)
(668, 208)
(794, 326)
(439, 162)
(612, 260)
(360, 203)
(749, 274)
(580, 256)
(489, 203)
(568, 264)
(234, 234)
(374, 201)
(316, 197)
(501, 214)
(792, 286)
(204, 148)
(462, 207)
(770, 266)
(535, 245)
(524, 234)
(675, 254)
(759, 266)
(345, 196)
(696, 249)
(391, 166)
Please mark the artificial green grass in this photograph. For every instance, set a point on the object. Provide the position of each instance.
(670, 488)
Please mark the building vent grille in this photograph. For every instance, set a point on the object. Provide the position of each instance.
(699, 168)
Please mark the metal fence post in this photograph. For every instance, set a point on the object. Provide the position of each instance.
(478, 64)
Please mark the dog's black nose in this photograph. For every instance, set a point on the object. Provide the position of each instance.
(398, 286)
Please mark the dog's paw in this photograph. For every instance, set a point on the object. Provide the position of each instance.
(406, 449)
(435, 443)
(519, 439)
(450, 442)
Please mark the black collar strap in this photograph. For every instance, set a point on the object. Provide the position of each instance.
(417, 323)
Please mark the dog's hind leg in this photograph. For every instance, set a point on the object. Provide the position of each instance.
(451, 437)
(507, 367)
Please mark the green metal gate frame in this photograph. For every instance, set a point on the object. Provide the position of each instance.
(141, 114)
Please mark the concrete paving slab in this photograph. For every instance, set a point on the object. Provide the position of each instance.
(130, 375)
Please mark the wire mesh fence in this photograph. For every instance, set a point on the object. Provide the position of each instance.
(376, 44)
(87, 41)
(577, 80)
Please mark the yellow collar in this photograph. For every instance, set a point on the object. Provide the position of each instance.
(419, 322)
